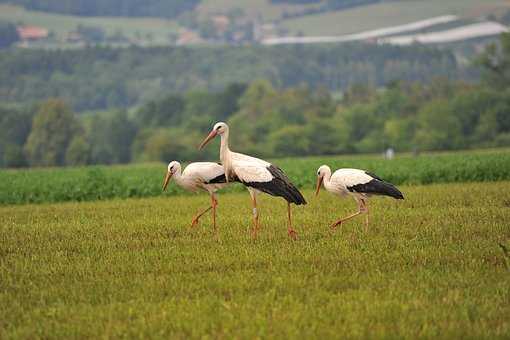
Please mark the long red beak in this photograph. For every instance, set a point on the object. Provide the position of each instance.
(319, 184)
(167, 179)
(207, 139)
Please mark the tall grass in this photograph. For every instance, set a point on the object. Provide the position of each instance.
(103, 182)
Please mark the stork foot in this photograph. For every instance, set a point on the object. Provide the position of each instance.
(194, 223)
(335, 225)
(292, 234)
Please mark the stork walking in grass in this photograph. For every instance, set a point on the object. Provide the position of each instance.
(257, 175)
(197, 176)
(357, 183)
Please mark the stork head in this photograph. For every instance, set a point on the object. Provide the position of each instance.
(173, 167)
(219, 128)
(321, 172)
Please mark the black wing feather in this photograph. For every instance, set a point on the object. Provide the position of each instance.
(377, 186)
(280, 186)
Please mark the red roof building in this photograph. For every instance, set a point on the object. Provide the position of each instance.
(32, 32)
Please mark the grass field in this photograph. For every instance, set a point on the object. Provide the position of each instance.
(144, 180)
(389, 14)
(429, 266)
(60, 24)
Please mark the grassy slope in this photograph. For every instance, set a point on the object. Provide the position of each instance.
(390, 14)
(428, 266)
(61, 24)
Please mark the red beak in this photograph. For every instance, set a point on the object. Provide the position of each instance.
(166, 180)
(207, 139)
(319, 184)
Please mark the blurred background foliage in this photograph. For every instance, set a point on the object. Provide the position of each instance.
(269, 121)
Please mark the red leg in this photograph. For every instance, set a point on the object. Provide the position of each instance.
(292, 233)
(255, 228)
(214, 204)
(194, 222)
(342, 220)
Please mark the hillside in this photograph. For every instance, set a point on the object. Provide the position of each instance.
(73, 23)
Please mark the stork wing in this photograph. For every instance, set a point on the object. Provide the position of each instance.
(206, 172)
(350, 177)
(248, 172)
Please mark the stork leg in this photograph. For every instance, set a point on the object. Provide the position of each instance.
(194, 222)
(364, 209)
(255, 229)
(292, 233)
(214, 203)
(361, 209)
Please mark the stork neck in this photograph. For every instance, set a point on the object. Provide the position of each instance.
(225, 156)
(177, 176)
(327, 179)
(224, 148)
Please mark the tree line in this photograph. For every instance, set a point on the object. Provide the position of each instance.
(118, 8)
(100, 78)
(442, 114)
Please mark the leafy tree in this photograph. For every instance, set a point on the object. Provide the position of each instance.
(289, 141)
(8, 34)
(13, 156)
(495, 63)
(166, 112)
(53, 128)
(78, 151)
(111, 138)
(438, 128)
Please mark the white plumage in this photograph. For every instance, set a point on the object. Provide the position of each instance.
(344, 178)
(197, 176)
(357, 183)
(256, 174)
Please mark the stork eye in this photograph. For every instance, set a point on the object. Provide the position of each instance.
(219, 127)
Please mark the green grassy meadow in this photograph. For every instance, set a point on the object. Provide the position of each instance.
(144, 180)
(429, 266)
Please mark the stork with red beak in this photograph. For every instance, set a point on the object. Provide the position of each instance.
(356, 183)
(197, 176)
(257, 175)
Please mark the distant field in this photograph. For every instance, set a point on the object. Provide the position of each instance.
(389, 14)
(144, 180)
(61, 24)
(252, 8)
(428, 267)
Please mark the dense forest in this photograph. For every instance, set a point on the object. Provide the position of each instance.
(442, 114)
(120, 8)
(101, 78)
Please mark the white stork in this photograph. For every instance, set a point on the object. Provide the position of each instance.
(207, 176)
(357, 183)
(257, 175)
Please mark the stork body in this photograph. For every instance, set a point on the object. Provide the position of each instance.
(357, 183)
(257, 175)
(198, 176)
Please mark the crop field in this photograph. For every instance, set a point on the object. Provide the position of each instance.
(389, 14)
(144, 180)
(430, 266)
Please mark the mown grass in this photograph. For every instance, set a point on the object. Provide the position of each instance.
(429, 266)
(103, 182)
